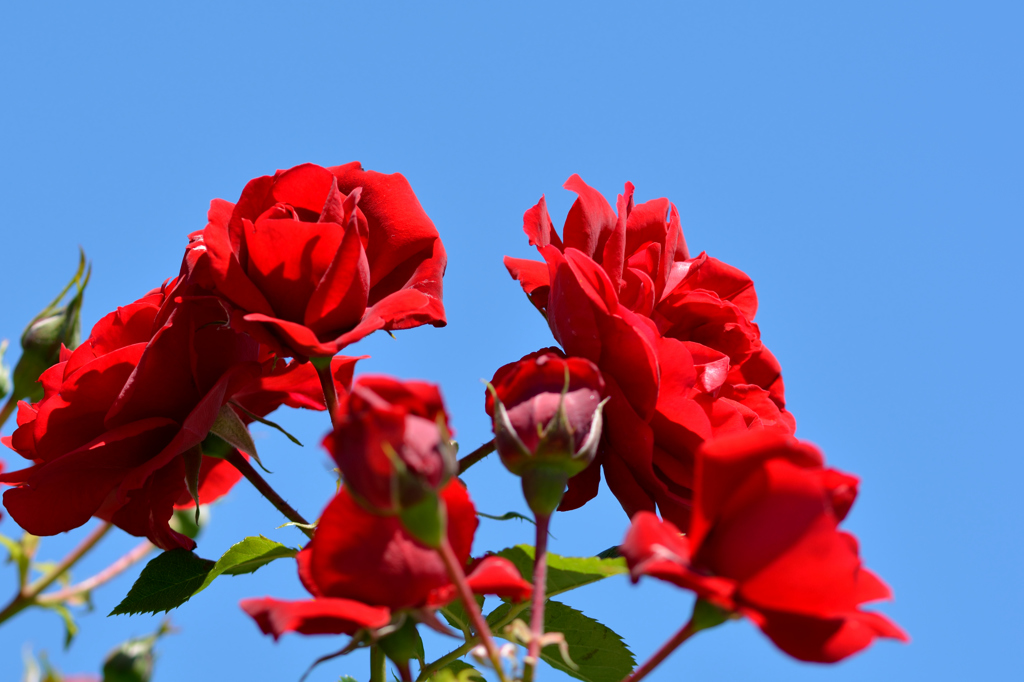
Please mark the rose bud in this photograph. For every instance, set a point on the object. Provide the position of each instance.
(393, 445)
(42, 339)
(547, 422)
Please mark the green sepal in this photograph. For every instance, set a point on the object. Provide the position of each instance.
(230, 428)
(706, 615)
(425, 520)
(543, 488)
(403, 644)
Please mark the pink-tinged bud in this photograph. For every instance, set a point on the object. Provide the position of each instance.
(546, 412)
(392, 444)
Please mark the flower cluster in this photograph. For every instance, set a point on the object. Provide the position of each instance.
(661, 380)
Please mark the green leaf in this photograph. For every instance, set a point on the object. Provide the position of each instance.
(564, 573)
(599, 653)
(70, 626)
(17, 555)
(610, 553)
(167, 582)
(459, 671)
(347, 678)
(457, 617)
(247, 556)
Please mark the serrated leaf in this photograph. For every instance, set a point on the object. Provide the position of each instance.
(247, 556)
(564, 573)
(167, 582)
(599, 653)
(457, 617)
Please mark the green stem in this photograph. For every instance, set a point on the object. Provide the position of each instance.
(475, 456)
(27, 595)
(378, 665)
(458, 578)
(661, 654)
(8, 409)
(323, 370)
(258, 482)
(540, 581)
(461, 651)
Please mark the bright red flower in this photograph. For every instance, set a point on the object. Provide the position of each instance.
(121, 411)
(314, 258)
(764, 542)
(392, 441)
(673, 336)
(362, 568)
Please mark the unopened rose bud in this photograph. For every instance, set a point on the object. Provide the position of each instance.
(546, 412)
(392, 443)
(42, 339)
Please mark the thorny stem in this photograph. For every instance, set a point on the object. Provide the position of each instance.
(475, 456)
(242, 464)
(115, 569)
(458, 578)
(540, 581)
(464, 649)
(323, 370)
(26, 596)
(378, 665)
(661, 654)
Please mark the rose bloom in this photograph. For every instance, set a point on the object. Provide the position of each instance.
(121, 412)
(364, 569)
(314, 259)
(764, 542)
(672, 335)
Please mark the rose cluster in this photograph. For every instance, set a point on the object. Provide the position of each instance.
(660, 379)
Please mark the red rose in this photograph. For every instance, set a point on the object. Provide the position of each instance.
(392, 441)
(764, 542)
(317, 258)
(546, 412)
(120, 413)
(674, 338)
(362, 568)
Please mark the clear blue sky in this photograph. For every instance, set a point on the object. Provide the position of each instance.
(862, 164)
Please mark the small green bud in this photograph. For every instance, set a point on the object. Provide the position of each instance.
(42, 339)
(133, 660)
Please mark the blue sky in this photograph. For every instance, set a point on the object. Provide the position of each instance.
(862, 163)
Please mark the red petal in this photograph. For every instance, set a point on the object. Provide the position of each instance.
(538, 228)
(497, 576)
(590, 221)
(314, 616)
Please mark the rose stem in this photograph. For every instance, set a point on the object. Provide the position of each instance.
(540, 581)
(464, 649)
(661, 654)
(26, 595)
(458, 578)
(242, 464)
(404, 671)
(115, 569)
(323, 370)
(475, 456)
(378, 665)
